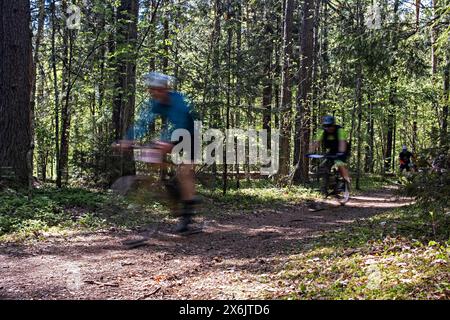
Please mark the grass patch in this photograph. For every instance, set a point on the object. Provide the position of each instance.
(55, 210)
(237, 201)
(395, 255)
(256, 194)
(373, 182)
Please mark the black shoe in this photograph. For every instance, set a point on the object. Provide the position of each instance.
(183, 224)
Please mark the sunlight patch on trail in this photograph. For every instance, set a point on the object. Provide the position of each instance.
(73, 280)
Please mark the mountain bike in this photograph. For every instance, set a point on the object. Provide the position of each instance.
(332, 183)
(166, 184)
(154, 155)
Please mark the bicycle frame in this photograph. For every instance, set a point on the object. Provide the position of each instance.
(327, 169)
(155, 154)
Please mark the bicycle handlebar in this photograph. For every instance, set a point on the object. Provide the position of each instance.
(322, 156)
(152, 145)
(149, 153)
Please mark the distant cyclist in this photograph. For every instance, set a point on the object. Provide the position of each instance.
(173, 108)
(405, 159)
(334, 141)
(440, 163)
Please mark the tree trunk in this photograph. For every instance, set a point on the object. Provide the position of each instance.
(286, 94)
(125, 89)
(388, 156)
(277, 75)
(315, 95)
(267, 81)
(446, 102)
(434, 61)
(415, 133)
(16, 72)
(37, 45)
(55, 26)
(238, 79)
(358, 90)
(152, 63)
(41, 140)
(63, 173)
(303, 121)
(368, 165)
(165, 58)
(394, 142)
(229, 43)
(324, 64)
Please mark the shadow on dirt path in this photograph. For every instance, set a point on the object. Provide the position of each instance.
(226, 261)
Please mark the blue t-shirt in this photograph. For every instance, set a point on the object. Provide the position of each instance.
(175, 115)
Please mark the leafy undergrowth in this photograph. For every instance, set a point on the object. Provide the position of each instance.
(59, 211)
(396, 255)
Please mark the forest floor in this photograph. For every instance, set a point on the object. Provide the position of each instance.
(281, 252)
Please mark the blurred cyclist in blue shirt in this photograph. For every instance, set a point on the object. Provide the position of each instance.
(176, 113)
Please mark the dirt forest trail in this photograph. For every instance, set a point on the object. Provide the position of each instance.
(226, 261)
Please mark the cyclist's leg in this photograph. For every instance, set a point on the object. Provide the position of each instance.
(343, 187)
(185, 173)
(186, 178)
(343, 170)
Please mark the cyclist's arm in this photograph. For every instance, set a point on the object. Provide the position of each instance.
(342, 137)
(314, 146)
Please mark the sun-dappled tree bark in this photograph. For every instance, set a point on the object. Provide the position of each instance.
(446, 102)
(16, 72)
(388, 156)
(268, 64)
(358, 91)
(286, 91)
(303, 120)
(125, 88)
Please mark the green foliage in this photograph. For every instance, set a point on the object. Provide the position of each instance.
(432, 192)
(48, 208)
(54, 211)
(390, 256)
(395, 59)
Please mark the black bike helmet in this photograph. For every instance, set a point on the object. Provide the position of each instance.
(328, 121)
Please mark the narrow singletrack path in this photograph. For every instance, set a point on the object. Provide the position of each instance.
(226, 261)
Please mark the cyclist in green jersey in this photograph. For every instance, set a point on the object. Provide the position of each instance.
(333, 139)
